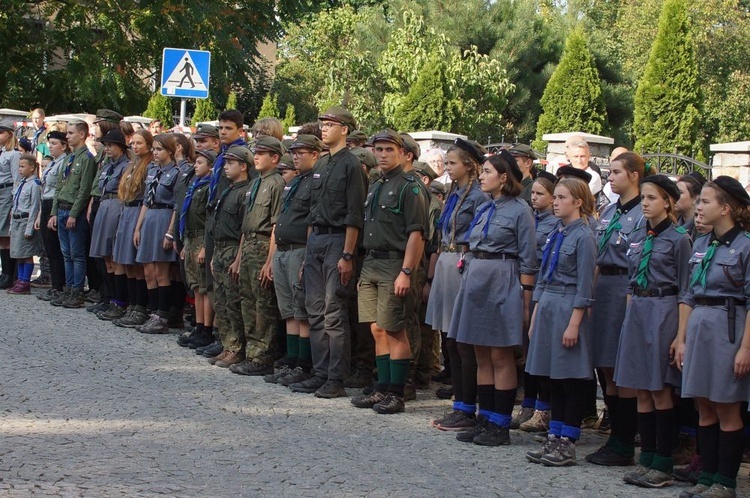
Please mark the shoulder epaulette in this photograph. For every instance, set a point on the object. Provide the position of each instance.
(682, 230)
(39, 182)
(410, 178)
(89, 154)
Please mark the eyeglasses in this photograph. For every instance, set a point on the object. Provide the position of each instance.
(298, 153)
(325, 125)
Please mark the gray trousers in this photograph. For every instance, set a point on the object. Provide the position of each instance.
(326, 301)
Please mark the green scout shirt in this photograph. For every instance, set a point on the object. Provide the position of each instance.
(263, 203)
(196, 214)
(101, 160)
(433, 215)
(74, 184)
(291, 225)
(229, 212)
(394, 208)
(527, 183)
(339, 188)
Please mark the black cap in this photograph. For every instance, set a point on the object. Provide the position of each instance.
(25, 144)
(114, 137)
(569, 170)
(666, 184)
(57, 135)
(508, 157)
(475, 150)
(546, 174)
(733, 188)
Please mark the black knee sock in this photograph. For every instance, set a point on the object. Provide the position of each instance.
(613, 409)
(165, 298)
(504, 401)
(179, 292)
(107, 284)
(153, 299)
(543, 383)
(557, 401)
(468, 372)
(144, 295)
(446, 356)
(132, 291)
(121, 290)
(530, 386)
(665, 422)
(708, 439)
(455, 361)
(731, 447)
(8, 263)
(628, 421)
(486, 396)
(647, 430)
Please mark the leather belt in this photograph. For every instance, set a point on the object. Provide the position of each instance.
(462, 248)
(109, 195)
(20, 216)
(612, 270)
(386, 254)
(6, 185)
(133, 203)
(493, 255)
(320, 229)
(666, 291)
(731, 303)
(158, 205)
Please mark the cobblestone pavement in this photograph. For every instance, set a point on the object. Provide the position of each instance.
(88, 409)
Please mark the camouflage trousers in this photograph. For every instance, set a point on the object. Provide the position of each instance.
(227, 296)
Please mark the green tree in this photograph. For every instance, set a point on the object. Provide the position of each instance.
(205, 110)
(270, 108)
(290, 118)
(573, 99)
(160, 107)
(668, 98)
(734, 109)
(428, 105)
(232, 100)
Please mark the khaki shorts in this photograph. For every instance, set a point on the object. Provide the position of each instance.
(194, 273)
(377, 301)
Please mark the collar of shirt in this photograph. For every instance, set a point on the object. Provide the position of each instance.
(502, 199)
(661, 227)
(728, 237)
(624, 208)
(240, 183)
(392, 173)
(570, 226)
(544, 214)
(272, 171)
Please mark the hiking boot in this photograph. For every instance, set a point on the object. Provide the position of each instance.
(390, 405)
(6, 281)
(717, 491)
(98, 307)
(694, 491)
(61, 297)
(220, 356)
(654, 479)
(563, 455)
(368, 400)
(685, 449)
(421, 381)
(494, 435)
(75, 300)
(175, 320)
(539, 422)
(230, 358)
(133, 320)
(479, 426)
(19, 288)
(444, 392)
(273, 378)
(250, 367)
(92, 296)
(521, 416)
(608, 457)
(213, 350)
(632, 476)
(201, 339)
(42, 282)
(308, 386)
(155, 325)
(359, 379)
(456, 421)
(690, 472)
(113, 313)
(548, 446)
(297, 375)
(49, 295)
(184, 339)
(331, 389)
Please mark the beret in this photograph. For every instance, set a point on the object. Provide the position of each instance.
(666, 183)
(475, 150)
(574, 172)
(733, 188)
(512, 163)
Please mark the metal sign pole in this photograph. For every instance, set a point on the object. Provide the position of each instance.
(183, 111)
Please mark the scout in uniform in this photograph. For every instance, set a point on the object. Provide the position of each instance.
(260, 313)
(206, 137)
(225, 225)
(690, 190)
(290, 232)
(713, 348)
(356, 139)
(617, 224)
(191, 229)
(9, 178)
(25, 241)
(501, 269)
(395, 224)
(68, 215)
(463, 161)
(658, 255)
(525, 156)
(58, 147)
(336, 218)
(286, 168)
(559, 333)
(151, 236)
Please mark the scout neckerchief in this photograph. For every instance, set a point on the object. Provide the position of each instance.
(614, 222)
(69, 164)
(450, 205)
(218, 166)
(290, 193)
(18, 195)
(702, 271)
(110, 170)
(641, 279)
(197, 183)
(151, 192)
(489, 208)
(552, 248)
(37, 134)
(54, 164)
(253, 193)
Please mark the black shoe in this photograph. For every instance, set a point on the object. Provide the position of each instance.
(175, 320)
(278, 373)
(49, 295)
(92, 296)
(445, 392)
(308, 386)
(184, 339)
(200, 350)
(201, 340)
(369, 400)
(297, 375)
(493, 435)
(214, 349)
(284, 361)
(250, 367)
(98, 307)
(331, 389)
(359, 379)
(390, 405)
(6, 281)
(608, 457)
(468, 436)
(444, 377)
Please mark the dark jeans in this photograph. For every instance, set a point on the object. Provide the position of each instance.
(73, 246)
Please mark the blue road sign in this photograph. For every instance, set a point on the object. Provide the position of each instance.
(185, 73)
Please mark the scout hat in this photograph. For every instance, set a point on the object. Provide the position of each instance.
(512, 163)
(475, 150)
(341, 116)
(546, 174)
(307, 142)
(733, 188)
(113, 137)
(424, 169)
(108, 115)
(240, 153)
(438, 188)
(666, 184)
(268, 144)
(569, 170)
(523, 150)
(208, 154)
(411, 145)
(286, 162)
(7, 125)
(365, 157)
(356, 136)
(57, 135)
(25, 144)
(205, 130)
(389, 136)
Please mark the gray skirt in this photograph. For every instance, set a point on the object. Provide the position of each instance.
(105, 228)
(6, 204)
(607, 316)
(708, 367)
(643, 355)
(20, 246)
(445, 284)
(489, 305)
(123, 249)
(547, 356)
(155, 225)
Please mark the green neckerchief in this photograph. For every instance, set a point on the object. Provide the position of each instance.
(641, 279)
(702, 272)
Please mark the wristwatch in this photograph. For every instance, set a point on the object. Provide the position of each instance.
(347, 256)
(406, 271)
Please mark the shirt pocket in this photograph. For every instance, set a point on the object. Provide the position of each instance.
(732, 270)
(389, 209)
(567, 260)
(501, 229)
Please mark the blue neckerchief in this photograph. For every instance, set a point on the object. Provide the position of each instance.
(490, 209)
(555, 240)
(218, 166)
(35, 140)
(71, 159)
(450, 205)
(18, 195)
(197, 183)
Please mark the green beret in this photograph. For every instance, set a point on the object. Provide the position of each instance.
(268, 144)
(108, 115)
(240, 153)
(365, 157)
(339, 115)
(411, 145)
(307, 142)
(205, 130)
(523, 150)
(425, 169)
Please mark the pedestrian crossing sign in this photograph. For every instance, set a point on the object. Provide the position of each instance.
(185, 73)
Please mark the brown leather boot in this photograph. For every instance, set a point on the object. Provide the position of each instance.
(218, 357)
(231, 358)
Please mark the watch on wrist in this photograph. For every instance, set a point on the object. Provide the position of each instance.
(347, 256)
(406, 271)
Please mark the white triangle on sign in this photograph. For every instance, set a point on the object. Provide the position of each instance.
(185, 76)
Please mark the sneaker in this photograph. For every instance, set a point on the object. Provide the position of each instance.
(98, 307)
(308, 386)
(49, 295)
(548, 446)
(694, 491)
(690, 472)
(251, 368)
(444, 392)
(61, 298)
(42, 282)
(213, 350)
(457, 421)
(717, 491)
(278, 373)
(604, 426)
(184, 339)
(685, 449)
(359, 379)
(608, 457)
(230, 358)
(331, 389)
(521, 416)
(201, 339)
(539, 422)
(6, 281)
(75, 300)
(132, 320)
(563, 454)
(479, 426)
(633, 476)
(113, 313)
(155, 325)
(368, 400)
(19, 288)
(92, 296)
(654, 479)
(297, 375)
(494, 435)
(390, 405)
